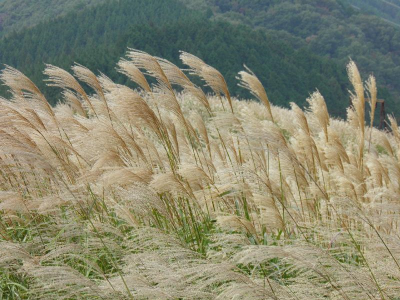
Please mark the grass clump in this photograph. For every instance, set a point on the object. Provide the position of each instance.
(155, 194)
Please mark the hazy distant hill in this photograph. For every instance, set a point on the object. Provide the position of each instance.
(17, 14)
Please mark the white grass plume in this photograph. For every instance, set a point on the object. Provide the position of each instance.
(156, 194)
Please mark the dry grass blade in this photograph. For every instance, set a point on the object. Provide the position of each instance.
(62, 79)
(164, 195)
(320, 111)
(249, 81)
(129, 69)
(211, 76)
(176, 76)
(143, 60)
(358, 106)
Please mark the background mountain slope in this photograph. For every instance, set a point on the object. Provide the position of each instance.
(17, 14)
(328, 28)
(97, 37)
(305, 36)
(387, 9)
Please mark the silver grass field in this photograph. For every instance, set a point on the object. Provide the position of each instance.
(157, 194)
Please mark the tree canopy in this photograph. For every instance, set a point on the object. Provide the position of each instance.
(98, 36)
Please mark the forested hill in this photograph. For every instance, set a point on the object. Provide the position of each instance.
(97, 37)
(328, 28)
(387, 9)
(306, 44)
(18, 14)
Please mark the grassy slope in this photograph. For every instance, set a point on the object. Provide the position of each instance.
(117, 197)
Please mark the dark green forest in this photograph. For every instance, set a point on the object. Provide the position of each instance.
(18, 14)
(387, 9)
(293, 46)
(98, 37)
(329, 28)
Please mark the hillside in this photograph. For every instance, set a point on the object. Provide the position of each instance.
(164, 151)
(328, 28)
(98, 36)
(386, 9)
(327, 31)
(15, 15)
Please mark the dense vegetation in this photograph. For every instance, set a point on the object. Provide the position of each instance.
(97, 37)
(91, 34)
(149, 194)
(17, 14)
(328, 28)
(135, 184)
(387, 9)
(332, 30)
